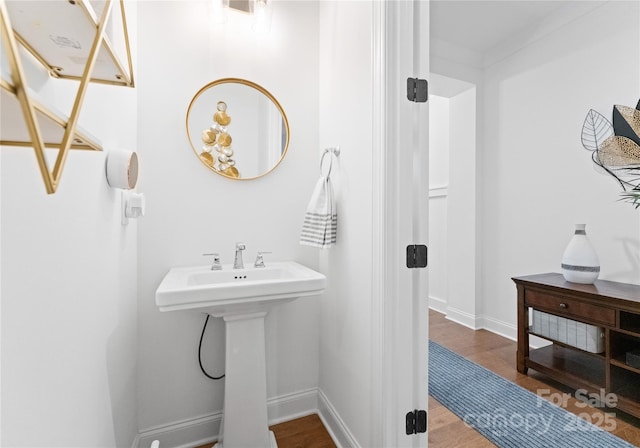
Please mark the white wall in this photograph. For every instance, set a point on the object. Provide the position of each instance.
(538, 180)
(69, 285)
(461, 212)
(439, 149)
(191, 210)
(439, 141)
(345, 120)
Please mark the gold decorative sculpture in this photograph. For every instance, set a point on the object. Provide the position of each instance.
(217, 138)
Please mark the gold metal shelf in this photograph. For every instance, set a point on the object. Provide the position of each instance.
(59, 34)
(14, 131)
(71, 42)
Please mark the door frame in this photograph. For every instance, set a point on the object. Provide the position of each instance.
(400, 217)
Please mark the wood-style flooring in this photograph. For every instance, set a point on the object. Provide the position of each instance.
(305, 432)
(446, 430)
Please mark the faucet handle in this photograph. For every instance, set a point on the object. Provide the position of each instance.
(259, 263)
(216, 265)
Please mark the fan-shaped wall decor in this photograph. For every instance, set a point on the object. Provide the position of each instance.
(616, 147)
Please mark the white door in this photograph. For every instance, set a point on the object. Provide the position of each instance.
(403, 206)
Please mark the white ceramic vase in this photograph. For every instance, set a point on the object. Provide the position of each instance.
(580, 263)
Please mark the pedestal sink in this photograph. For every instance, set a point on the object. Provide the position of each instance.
(242, 297)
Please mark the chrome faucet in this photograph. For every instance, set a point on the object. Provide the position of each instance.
(259, 263)
(216, 265)
(237, 261)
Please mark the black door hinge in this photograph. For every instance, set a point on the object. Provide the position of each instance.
(416, 422)
(417, 90)
(416, 256)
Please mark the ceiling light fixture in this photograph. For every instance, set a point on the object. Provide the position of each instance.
(259, 10)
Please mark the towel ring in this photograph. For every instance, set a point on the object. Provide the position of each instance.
(322, 162)
(331, 151)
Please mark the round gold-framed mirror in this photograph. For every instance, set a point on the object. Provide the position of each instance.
(237, 129)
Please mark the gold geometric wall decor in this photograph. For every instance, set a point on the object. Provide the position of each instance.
(70, 41)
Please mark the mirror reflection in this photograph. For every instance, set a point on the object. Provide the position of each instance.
(237, 128)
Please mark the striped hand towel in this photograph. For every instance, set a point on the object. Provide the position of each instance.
(321, 220)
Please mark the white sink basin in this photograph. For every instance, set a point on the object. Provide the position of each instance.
(232, 291)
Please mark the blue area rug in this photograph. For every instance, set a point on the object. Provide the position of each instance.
(505, 413)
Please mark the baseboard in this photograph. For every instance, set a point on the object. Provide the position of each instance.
(474, 322)
(497, 326)
(291, 406)
(183, 434)
(463, 318)
(438, 304)
(336, 427)
(204, 429)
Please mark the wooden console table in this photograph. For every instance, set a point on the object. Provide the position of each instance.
(611, 305)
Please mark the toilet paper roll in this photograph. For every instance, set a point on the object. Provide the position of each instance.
(122, 169)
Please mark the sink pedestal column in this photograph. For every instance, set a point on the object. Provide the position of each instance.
(244, 422)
